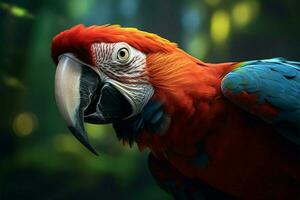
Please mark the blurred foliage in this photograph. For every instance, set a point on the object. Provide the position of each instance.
(39, 158)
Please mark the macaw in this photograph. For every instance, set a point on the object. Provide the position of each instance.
(214, 131)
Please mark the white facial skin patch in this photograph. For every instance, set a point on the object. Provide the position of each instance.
(125, 68)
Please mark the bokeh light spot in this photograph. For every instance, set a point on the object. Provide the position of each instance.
(198, 46)
(79, 8)
(128, 7)
(15, 10)
(24, 124)
(241, 13)
(244, 12)
(12, 82)
(220, 26)
(191, 19)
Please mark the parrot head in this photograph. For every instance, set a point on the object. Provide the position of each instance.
(109, 73)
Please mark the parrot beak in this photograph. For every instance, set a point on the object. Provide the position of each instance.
(81, 96)
(70, 79)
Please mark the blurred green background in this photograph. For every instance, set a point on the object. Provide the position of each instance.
(40, 159)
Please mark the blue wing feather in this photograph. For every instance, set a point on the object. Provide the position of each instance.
(275, 81)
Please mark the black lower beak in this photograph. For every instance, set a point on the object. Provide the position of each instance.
(82, 96)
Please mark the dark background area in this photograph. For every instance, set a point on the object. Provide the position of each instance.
(39, 158)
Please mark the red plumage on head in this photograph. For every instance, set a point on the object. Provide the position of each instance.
(172, 72)
(78, 40)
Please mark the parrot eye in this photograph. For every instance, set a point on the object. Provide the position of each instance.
(123, 54)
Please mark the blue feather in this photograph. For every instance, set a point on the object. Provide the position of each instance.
(275, 81)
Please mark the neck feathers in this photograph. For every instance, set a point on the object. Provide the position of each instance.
(190, 93)
(181, 81)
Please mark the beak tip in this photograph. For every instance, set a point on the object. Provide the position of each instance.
(94, 152)
(81, 136)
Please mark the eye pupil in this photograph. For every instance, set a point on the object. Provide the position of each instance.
(122, 53)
